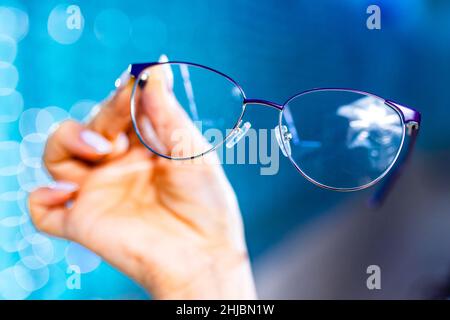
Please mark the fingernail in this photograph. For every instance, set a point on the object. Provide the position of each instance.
(123, 79)
(64, 186)
(96, 141)
(163, 58)
(121, 143)
(167, 71)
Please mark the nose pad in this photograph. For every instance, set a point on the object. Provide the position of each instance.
(142, 81)
(238, 134)
(283, 139)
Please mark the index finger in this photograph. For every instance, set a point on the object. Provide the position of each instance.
(113, 116)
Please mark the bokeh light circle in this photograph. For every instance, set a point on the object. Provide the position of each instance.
(13, 23)
(59, 25)
(27, 229)
(32, 149)
(9, 77)
(9, 288)
(11, 105)
(7, 260)
(149, 34)
(57, 284)
(79, 256)
(30, 178)
(11, 209)
(13, 221)
(10, 158)
(59, 249)
(8, 48)
(12, 196)
(27, 121)
(42, 247)
(31, 261)
(11, 240)
(30, 279)
(81, 110)
(112, 28)
(49, 118)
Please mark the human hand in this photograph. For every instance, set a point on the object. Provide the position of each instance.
(175, 227)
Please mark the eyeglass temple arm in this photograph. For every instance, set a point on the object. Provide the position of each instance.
(412, 120)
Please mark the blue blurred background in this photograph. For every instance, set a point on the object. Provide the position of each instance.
(274, 49)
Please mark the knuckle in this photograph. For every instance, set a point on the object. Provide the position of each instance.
(62, 132)
(65, 127)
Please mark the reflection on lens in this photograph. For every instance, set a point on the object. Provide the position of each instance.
(342, 139)
(182, 111)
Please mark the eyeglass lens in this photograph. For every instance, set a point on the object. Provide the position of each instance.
(342, 139)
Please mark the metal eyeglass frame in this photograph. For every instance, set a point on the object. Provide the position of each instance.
(411, 119)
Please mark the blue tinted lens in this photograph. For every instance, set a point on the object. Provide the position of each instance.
(210, 102)
(342, 139)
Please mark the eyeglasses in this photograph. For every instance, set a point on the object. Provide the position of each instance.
(338, 139)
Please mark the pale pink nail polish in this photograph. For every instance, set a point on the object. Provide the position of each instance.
(64, 186)
(96, 141)
(123, 79)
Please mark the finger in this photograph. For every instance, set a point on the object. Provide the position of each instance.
(113, 116)
(48, 208)
(163, 121)
(72, 139)
(71, 147)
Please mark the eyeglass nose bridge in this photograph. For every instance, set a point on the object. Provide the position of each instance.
(264, 103)
(282, 133)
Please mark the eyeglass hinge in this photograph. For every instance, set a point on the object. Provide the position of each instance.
(411, 126)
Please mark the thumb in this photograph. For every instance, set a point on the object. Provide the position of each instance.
(48, 207)
(160, 119)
